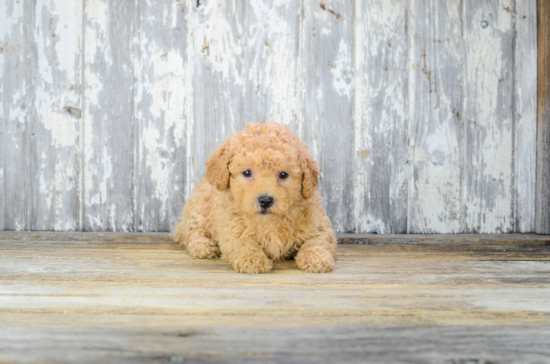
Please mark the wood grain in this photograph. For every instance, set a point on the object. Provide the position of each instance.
(488, 117)
(525, 105)
(435, 111)
(55, 89)
(108, 123)
(543, 120)
(327, 56)
(15, 195)
(101, 299)
(380, 135)
(421, 114)
(271, 57)
(162, 89)
(346, 344)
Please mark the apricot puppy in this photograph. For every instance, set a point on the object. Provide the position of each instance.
(259, 203)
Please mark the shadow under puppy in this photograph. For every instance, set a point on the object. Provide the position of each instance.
(259, 203)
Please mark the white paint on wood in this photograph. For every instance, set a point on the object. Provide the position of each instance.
(380, 171)
(271, 56)
(56, 76)
(95, 33)
(542, 210)
(488, 115)
(109, 144)
(525, 104)
(328, 87)
(14, 115)
(161, 114)
(435, 108)
(421, 113)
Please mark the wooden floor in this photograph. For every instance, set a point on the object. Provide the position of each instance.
(140, 298)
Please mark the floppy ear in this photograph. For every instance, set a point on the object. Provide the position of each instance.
(310, 174)
(217, 168)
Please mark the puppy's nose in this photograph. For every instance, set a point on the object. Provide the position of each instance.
(265, 201)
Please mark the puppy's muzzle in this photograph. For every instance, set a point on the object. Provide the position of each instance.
(265, 203)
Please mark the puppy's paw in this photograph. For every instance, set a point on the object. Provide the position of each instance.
(315, 260)
(253, 263)
(203, 248)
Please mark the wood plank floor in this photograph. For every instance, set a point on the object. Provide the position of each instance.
(133, 298)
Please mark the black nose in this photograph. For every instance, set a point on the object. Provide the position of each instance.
(265, 201)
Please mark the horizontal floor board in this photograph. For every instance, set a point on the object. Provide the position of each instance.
(340, 344)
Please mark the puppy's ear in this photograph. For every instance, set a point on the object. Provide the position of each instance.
(310, 174)
(217, 168)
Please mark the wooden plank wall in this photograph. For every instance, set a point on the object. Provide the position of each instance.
(422, 114)
(543, 121)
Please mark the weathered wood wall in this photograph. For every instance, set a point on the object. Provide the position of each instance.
(542, 223)
(422, 113)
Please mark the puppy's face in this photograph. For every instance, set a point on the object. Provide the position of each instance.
(265, 182)
(265, 168)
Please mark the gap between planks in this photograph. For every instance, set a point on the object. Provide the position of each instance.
(360, 239)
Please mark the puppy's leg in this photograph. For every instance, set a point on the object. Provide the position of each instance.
(190, 234)
(245, 255)
(200, 246)
(316, 255)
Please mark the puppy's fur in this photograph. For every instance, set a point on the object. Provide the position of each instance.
(224, 214)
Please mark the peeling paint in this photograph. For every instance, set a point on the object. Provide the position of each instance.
(56, 40)
(157, 160)
(62, 128)
(372, 225)
(271, 73)
(342, 71)
(380, 189)
(488, 183)
(211, 27)
(525, 103)
(421, 114)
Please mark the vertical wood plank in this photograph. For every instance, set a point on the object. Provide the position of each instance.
(56, 42)
(380, 135)
(329, 94)
(161, 112)
(488, 116)
(271, 55)
(436, 116)
(218, 83)
(14, 115)
(108, 112)
(525, 103)
(543, 120)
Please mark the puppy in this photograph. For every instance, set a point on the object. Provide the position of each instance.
(259, 203)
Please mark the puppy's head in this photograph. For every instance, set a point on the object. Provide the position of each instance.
(265, 168)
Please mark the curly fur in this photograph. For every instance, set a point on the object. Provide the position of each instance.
(223, 216)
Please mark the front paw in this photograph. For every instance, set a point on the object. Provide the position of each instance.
(203, 248)
(256, 262)
(315, 260)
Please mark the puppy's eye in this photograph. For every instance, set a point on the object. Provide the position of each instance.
(283, 175)
(247, 173)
